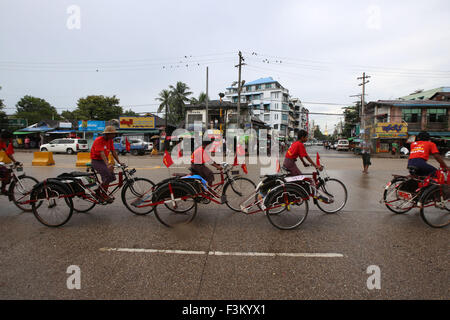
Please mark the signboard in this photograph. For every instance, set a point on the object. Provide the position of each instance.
(91, 125)
(17, 123)
(137, 122)
(65, 125)
(391, 130)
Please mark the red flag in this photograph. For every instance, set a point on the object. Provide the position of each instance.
(180, 152)
(167, 160)
(244, 168)
(10, 149)
(318, 159)
(235, 161)
(278, 165)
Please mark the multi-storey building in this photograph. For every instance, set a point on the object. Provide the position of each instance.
(390, 121)
(268, 100)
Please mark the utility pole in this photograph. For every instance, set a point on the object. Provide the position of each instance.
(207, 122)
(363, 117)
(241, 59)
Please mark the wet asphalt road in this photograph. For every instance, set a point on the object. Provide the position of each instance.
(413, 258)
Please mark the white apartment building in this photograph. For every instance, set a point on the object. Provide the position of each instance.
(267, 100)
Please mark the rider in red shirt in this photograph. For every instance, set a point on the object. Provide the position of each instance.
(100, 150)
(420, 153)
(298, 150)
(5, 174)
(198, 160)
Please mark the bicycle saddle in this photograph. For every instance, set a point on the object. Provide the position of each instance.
(179, 174)
(74, 174)
(274, 176)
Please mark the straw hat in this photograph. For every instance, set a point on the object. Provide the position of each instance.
(110, 129)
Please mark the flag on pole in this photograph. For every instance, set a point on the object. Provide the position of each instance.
(278, 165)
(244, 168)
(167, 160)
(318, 159)
(127, 145)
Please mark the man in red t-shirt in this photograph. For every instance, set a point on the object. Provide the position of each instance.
(198, 160)
(5, 174)
(100, 150)
(420, 153)
(298, 150)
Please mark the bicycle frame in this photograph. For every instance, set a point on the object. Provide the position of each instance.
(423, 182)
(212, 192)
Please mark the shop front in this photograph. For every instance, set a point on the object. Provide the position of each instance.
(389, 135)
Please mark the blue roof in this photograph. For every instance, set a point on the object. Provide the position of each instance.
(260, 81)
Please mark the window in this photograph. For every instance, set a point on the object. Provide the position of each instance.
(267, 117)
(268, 85)
(275, 95)
(411, 115)
(436, 115)
(276, 116)
(275, 127)
(258, 87)
(284, 117)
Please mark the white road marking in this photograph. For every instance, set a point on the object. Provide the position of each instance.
(220, 253)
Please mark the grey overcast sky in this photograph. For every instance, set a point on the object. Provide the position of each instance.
(133, 49)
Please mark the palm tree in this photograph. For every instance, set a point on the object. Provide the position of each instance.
(179, 95)
(165, 98)
(201, 99)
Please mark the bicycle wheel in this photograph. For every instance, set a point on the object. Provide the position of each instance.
(394, 199)
(80, 203)
(179, 206)
(237, 190)
(56, 208)
(293, 200)
(332, 196)
(20, 192)
(435, 208)
(135, 192)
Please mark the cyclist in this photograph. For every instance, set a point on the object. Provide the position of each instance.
(198, 160)
(420, 152)
(298, 150)
(5, 174)
(100, 150)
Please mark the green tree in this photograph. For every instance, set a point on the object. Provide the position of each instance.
(201, 99)
(130, 113)
(179, 96)
(319, 135)
(351, 119)
(98, 108)
(35, 109)
(3, 117)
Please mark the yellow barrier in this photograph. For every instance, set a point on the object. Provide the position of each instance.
(43, 159)
(83, 158)
(4, 157)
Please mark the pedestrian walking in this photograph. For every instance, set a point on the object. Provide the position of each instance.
(27, 142)
(365, 152)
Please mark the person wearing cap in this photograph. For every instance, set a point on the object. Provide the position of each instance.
(100, 150)
(420, 153)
